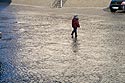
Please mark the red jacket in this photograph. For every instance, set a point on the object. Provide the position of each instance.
(75, 23)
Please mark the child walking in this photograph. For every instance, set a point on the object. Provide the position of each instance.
(75, 24)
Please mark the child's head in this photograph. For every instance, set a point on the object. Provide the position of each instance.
(76, 17)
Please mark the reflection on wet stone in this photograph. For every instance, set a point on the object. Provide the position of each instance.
(75, 45)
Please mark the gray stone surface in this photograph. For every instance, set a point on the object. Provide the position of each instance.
(37, 46)
(68, 3)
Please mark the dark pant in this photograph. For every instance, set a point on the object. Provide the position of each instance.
(74, 31)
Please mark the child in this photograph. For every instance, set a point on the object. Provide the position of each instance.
(75, 24)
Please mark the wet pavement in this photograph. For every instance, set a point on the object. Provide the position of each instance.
(36, 46)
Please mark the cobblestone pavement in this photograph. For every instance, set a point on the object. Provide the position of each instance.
(36, 46)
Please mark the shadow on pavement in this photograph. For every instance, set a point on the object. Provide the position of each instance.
(106, 9)
(4, 4)
(0, 69)
(121, 12)
(8, 44)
